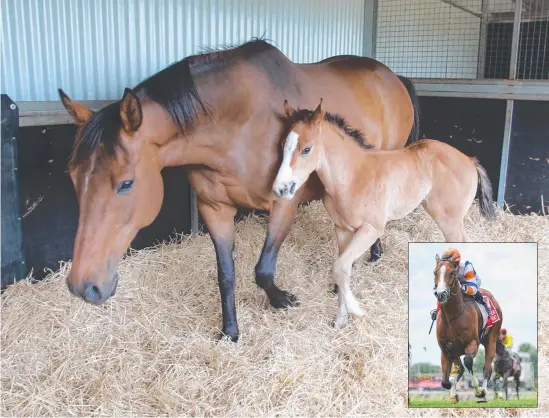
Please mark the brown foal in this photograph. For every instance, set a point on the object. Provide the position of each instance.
(365, 188)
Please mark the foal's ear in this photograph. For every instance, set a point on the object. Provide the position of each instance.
(130, 111)
(79, 112)
(318, 114)
(290, 111)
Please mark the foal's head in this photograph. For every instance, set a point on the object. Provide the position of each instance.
(446, 277)
(302, 151)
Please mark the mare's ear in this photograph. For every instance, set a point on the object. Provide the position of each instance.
(437, 258)
(288, 110)
(130, 111)
(79, 112)
(318, 114)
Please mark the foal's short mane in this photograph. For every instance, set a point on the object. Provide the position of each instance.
(175, 90)
(304, 115)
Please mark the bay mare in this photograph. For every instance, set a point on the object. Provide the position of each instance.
(365, 187)
(459, 326)
(218, 114)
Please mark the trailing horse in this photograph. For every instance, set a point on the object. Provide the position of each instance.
(365, 188)
(504, 369)
(215, 113)
(461, 329)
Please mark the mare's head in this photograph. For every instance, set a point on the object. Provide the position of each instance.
(446, 277)
(302, 149)
(115, 170)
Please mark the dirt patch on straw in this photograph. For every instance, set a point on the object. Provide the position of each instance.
(152, 349)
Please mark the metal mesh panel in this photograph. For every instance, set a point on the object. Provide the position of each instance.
(533, 60)
(462, 38)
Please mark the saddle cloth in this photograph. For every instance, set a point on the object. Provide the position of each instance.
(487, 322)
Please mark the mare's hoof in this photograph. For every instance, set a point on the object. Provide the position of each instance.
(280, 299)
(334, 289)
(483, 400)
(454, 399)
(227, 335)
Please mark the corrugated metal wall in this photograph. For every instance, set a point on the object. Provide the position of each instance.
(93, 49)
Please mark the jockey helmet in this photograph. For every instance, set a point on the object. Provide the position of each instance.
(451, 254)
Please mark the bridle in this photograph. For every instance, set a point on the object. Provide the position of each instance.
(454, 276)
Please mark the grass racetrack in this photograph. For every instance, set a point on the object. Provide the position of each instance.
(527, 400)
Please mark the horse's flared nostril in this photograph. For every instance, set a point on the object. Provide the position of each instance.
(92, 294)
(292, 188)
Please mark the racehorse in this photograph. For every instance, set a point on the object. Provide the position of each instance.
(459, 329)
(504, 368)
(365, 187)
(214, 113)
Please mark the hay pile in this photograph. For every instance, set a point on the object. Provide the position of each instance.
(153, 350)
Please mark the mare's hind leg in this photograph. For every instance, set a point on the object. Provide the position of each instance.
(361, 240)
(451, 224)
(280, 221)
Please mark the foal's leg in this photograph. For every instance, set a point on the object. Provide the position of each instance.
(220, 223)
(451, 224)
(361, 241)
(280, 221)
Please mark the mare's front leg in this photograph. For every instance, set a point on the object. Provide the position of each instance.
(358, 243)
(220, 222)
(280, 220)
(470, 353)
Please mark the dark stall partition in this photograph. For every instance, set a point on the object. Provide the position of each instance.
(474, 126)
(528, 167)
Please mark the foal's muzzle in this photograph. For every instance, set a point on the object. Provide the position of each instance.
(286, 190)
(442, 296)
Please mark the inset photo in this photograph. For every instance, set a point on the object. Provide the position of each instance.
(473, 325)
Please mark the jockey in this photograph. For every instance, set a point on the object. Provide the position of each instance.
(506, 339)
(468, 278)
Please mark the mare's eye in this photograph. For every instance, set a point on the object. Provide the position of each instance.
(124, 187)
(306, 150)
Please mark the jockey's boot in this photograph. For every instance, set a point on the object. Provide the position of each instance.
(434, 314)
(480, 299)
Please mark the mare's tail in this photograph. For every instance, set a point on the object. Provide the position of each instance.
(484, 192)
(414, 134)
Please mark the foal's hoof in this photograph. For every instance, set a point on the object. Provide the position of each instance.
(280, 299)
(340, 322)
(483, 400)
(454, 399)
(374, 262)
(482, 394)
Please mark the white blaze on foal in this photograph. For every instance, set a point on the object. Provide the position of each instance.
(283, 181)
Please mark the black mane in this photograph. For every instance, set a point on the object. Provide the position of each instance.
(175, 90)
(337, 121)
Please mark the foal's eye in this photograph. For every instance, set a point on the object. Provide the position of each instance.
(306, 150)
(124, 187)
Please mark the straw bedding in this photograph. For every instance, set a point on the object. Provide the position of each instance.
(152, 349)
